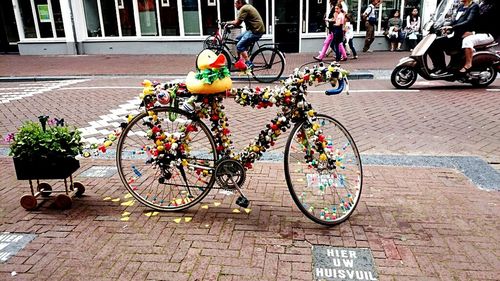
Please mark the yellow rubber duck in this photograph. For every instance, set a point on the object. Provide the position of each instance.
(212, 77)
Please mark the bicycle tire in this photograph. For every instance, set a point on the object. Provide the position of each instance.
(322, 195)
(149, 183)
(269, 64)
(212, 42)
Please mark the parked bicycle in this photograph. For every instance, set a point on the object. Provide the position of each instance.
(169, 159)
(269, 62)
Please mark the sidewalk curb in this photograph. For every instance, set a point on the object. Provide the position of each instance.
(352, 76)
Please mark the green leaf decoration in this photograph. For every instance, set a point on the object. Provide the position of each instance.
(208, 76)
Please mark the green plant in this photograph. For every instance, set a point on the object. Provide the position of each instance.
(32, 141)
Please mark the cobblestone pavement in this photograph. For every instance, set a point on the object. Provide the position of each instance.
(420, 223)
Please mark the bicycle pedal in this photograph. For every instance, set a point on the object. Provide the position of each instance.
(242, 202)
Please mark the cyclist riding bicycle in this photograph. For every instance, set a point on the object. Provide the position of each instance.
(255, 29)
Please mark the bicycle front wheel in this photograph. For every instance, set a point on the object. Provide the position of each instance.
(268, 63)
(323, 170)
(166, 160)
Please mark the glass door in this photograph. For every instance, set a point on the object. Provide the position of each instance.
(8, 29)
(287, 25)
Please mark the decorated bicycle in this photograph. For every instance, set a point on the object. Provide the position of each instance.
(172, 154)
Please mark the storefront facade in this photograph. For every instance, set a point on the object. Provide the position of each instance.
(172, 26)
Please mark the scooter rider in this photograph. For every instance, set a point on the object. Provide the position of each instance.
(484, 32)
(463, 22)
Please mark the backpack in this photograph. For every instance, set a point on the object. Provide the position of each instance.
(366, 16)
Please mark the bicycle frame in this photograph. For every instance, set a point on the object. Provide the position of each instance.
(291, 98)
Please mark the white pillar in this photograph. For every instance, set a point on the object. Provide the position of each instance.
(19, 20)
(68, 27)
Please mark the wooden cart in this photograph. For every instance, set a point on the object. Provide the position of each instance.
(48, 168)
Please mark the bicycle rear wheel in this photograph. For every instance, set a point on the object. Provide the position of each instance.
(166, 160)
(323, 170)
(268, 63)
(212, 42)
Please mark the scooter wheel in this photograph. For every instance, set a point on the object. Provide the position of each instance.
(403, 77)
(488, 75)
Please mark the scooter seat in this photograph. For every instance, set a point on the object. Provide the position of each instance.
(486, 46)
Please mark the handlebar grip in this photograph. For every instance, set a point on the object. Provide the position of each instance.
(337, 90)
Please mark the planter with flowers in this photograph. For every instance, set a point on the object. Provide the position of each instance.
(47, 151)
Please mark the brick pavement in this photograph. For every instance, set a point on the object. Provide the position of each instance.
(14, 65)
(420, 223)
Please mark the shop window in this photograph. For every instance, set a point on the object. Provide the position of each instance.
(27, 17)
(169, 18)
(208, 16)
(260, 6)
(127, 23)
(353, 11)
(43, 18)
(409, 6)
(227, 10)
(191, 17)
(92, 18)
(147, 17)
(317, 10)
(108, 10)
(9, 23)
(58, 21)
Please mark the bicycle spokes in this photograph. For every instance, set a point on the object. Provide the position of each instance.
(325, 170)
(166, 164)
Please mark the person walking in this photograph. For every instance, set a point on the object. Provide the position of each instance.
(370, 16)
(329, 37)
(349, 35)
(412, 29)
(255, 29)
(338, 33)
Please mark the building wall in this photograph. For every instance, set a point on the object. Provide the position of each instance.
(110, 32)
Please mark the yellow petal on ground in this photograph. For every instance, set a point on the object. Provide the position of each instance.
(128, 203)
(151, 214)
(248, 210)
(300, 180)
(216, 204)
(125, 218)
(178, 220)
(116, 200)
(128, 195)
(178, 201)
(204, 206)
(125, 214)
(207, 225)
(106, 198)
(188, 219)
(236, 211)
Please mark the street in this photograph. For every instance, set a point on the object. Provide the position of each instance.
(423, 213)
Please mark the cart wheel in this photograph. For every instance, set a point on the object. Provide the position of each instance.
(28, 202)
(80, 189)
(63, 201)
(45, 189)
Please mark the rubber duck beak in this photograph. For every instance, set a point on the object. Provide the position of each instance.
(219, 62)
